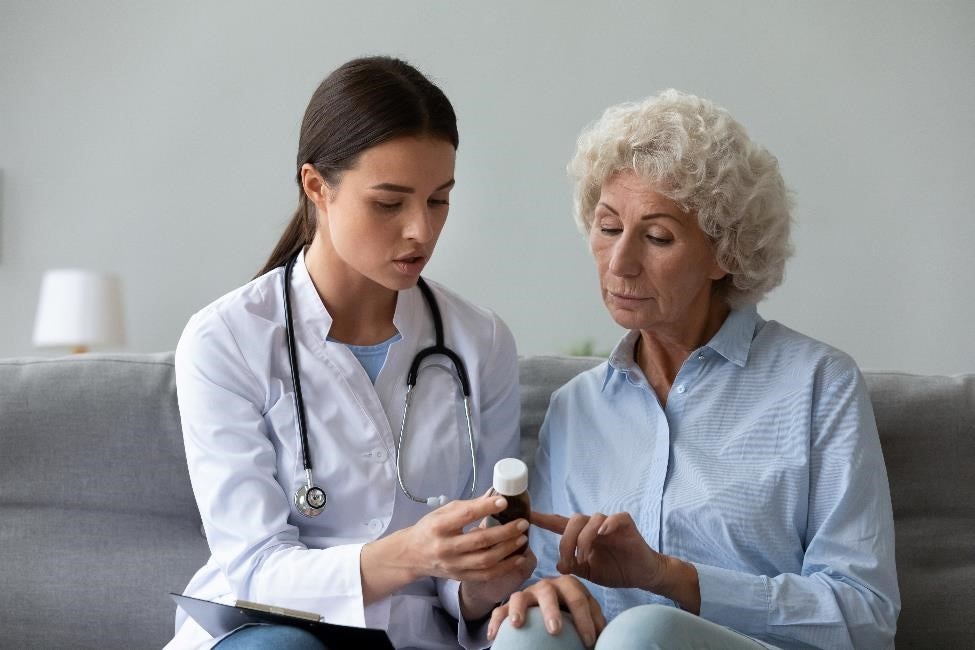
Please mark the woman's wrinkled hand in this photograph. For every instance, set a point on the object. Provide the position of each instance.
(608, 550)
(551, 596)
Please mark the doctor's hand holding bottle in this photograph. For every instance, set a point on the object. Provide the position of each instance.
(490, 562)
(292, 389)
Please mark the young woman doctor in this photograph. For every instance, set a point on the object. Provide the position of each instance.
(375, 170)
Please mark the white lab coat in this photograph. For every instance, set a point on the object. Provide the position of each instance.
(238, 415)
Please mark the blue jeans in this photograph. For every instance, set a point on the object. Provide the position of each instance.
(262, 637)
(647, 627)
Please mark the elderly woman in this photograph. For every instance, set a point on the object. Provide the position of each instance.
(728, 468)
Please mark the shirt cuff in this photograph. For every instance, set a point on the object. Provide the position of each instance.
(734, 599)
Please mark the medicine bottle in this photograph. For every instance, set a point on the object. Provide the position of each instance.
(511, 482)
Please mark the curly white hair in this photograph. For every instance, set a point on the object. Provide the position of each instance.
(695, 153)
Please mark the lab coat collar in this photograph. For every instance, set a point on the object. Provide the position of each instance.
(312, 317)
(309, 312)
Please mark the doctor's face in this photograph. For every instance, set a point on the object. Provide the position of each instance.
(656, 267)
(383, 219)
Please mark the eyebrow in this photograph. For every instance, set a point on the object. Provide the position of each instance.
(652, 215)
(392, 187)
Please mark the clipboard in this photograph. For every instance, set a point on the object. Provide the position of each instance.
(219, 619)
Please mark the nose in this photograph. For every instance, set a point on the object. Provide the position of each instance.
(624, 258)
(419, 225)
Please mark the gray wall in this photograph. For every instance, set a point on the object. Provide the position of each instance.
(157, 140)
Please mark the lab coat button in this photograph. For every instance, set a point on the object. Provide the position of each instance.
(681, 389)
(379, 456)
(375, 526)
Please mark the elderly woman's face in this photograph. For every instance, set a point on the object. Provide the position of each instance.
(656, 267)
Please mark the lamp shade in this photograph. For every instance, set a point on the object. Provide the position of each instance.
(78, 308)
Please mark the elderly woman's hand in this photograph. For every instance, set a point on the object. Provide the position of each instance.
(609, 550)
(551, 595)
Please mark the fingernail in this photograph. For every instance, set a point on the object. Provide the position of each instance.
(500, 502)
(522, 540)
(552, 625)
(522, 525)
(515, 619)
(602, 530)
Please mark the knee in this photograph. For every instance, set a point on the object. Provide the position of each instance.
(646, 627)
(295, 638)
(270, 636)
(533, 635)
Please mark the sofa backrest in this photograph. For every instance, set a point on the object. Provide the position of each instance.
(97, 519)
(927, 429)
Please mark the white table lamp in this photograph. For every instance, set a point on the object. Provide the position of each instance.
(78, 309)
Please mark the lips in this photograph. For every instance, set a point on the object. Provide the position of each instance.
(626, 301)
(410, 264)
(624, 295)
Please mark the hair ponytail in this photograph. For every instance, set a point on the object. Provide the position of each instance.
(297, 234)
(363, 103)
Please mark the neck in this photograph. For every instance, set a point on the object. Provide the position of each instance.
(661, 352)
(361, 310)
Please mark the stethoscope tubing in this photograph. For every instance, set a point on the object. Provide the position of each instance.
(308, 494)
(293, 360)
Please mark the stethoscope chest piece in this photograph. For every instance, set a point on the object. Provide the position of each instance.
(310, 500)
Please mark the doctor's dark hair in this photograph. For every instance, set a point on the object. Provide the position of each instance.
(363, 103)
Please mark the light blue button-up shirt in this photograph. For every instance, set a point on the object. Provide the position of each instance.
(763, 469)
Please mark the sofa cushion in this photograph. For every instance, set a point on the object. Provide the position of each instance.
(97, 517)
(927, 429)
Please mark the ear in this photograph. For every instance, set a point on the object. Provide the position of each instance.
(716, 272)
(315, 187)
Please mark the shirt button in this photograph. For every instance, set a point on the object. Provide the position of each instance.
(700, 355)
(375, 526)
(377, 455)
(681, 389)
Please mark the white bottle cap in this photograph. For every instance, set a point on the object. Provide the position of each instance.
(510, 477)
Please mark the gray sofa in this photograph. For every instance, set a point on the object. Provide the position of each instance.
(98, 522)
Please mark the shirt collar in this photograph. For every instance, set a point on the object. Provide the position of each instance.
(732, 341)
(621, 358)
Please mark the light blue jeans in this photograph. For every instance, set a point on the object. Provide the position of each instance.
(262, 637)
(647, 627)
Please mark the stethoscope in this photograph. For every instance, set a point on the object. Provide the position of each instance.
(309, 498)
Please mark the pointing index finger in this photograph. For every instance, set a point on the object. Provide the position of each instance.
(553, 523)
